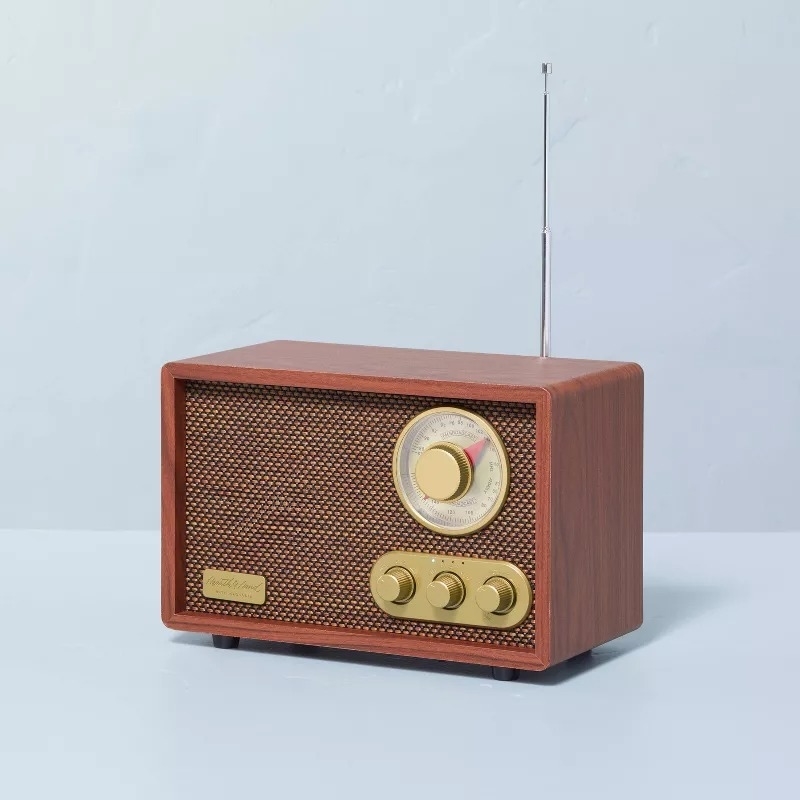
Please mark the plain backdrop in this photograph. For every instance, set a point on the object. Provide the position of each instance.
(187, 176)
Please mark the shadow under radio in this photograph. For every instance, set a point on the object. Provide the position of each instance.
(667, 608)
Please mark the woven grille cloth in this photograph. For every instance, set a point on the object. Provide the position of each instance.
(296, 485)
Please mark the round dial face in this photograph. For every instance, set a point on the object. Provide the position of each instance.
(451, 471)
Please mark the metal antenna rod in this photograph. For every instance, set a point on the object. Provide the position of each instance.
(547, 69)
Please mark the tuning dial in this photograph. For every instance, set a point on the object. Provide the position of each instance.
(444, 472)
(396, 585)
(496, 596)
(446, 590)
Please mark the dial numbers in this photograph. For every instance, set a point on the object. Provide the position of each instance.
(473, 436)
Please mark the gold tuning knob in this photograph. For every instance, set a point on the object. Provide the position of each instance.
(446, 590)
(444, 472)
(396, 585)
(496, 596)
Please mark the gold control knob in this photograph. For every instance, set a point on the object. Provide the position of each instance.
(444, 472)
(396, 585)
(446, 590)
(496, 596)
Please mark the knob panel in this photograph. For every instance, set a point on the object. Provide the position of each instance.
(458, 591)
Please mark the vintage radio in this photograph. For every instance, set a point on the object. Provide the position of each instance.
(458, 506)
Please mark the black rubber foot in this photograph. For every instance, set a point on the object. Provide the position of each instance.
(505, 673)
(225, 642)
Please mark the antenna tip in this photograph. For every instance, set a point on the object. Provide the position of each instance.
(547, 68)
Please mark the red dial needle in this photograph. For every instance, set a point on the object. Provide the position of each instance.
(474, 451)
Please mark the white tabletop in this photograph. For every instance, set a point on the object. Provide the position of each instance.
(97, 699)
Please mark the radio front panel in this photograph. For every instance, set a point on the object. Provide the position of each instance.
(292, 496)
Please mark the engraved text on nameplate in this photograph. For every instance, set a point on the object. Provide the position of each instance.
(221, 585)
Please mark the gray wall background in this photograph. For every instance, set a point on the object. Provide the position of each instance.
(182, 177)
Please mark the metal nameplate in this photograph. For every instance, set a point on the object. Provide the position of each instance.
(237, 586)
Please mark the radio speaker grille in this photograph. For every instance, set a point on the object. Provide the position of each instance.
(296, 485)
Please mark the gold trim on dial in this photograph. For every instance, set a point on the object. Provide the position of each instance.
(496, 441)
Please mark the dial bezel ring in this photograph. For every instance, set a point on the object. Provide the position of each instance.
(505, 472)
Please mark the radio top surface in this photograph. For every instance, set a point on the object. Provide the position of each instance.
(319, 364)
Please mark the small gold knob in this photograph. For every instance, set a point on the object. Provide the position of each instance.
(496, 596)
(446, 590)
(396, 585)
(444, 472)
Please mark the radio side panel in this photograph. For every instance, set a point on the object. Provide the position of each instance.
(596, 510)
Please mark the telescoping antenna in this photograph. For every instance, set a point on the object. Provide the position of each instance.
(547, 69)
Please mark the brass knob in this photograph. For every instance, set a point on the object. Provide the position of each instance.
(444, 472)
(446, 590)
(496, 596)
(396, 585)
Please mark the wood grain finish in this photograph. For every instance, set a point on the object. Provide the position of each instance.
(589, 486)
(438, 373)
(596, 510)
(173, 494)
